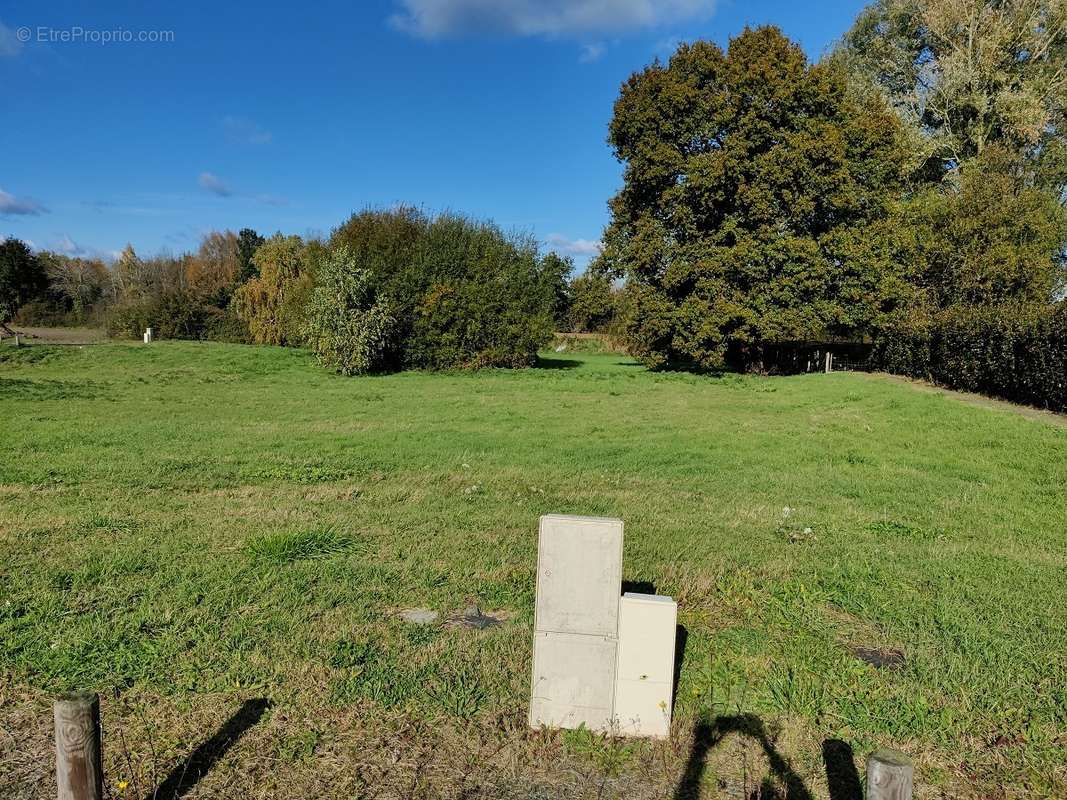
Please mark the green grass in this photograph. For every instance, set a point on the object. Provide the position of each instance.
(192, 518)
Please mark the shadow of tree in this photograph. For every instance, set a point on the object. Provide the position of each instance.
(708, 735)
(551, 362)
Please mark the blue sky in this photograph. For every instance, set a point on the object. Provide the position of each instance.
(289, 117)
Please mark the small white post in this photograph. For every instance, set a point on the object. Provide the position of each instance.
(145, 337)
(829, 362)
(18, 341)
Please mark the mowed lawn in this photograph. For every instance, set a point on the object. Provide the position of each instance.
(185, 527)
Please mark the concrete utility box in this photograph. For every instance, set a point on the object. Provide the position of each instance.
(579, 571)
(644, 685)
(573, 680)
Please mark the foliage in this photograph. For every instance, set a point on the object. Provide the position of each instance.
(592, 306)
(755, 190)
(1018, 352)
(463, 293)
(348, 328)
(971, 74)
(272, 304)
(248, 241)
(557, 269)
(994, 239)
(75, 284)
(214, 271)
(22, 277)
(172, 315)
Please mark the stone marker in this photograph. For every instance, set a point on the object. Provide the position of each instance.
(419, 616)
(889, 775)
(579, 572)
(644, 685)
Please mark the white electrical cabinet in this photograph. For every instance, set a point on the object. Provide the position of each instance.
(574, 680)
(644, 683)
(579, 571)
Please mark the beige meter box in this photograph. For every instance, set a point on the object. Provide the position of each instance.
(644, 684)
(579, 571)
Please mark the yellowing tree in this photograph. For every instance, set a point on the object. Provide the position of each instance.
(970, 74)
(213, 271)
(272, 304)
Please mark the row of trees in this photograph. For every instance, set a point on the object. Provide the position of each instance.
(388, 289)
(918, 170)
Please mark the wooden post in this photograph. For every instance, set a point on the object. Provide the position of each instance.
(829, 362)
(889, 775)
(79, 772)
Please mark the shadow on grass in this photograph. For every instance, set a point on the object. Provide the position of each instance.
(841, 776)
(551, 362)
(709, 734)
(187, 774)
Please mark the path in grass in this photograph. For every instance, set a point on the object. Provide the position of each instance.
(211, 521)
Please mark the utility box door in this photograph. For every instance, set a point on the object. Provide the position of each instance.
(573, 681)
(579, 571)
(645, 675)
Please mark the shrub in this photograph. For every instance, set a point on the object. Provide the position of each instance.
(175, 315)
(349, 330)
(1018, 352)
(462, 292)
(165, 315)
(592, 307)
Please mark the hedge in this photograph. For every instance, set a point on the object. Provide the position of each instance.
(1018, 353)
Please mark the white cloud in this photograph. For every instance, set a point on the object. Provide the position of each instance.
(10, 46)
(19, 206)
(68, 247)
(214, 184)
(591, 52)
(244, 130)
(432, 19)
(573, 247)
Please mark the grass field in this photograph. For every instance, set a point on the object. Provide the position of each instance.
(189, 527)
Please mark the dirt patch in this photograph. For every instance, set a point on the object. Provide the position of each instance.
(61, 335)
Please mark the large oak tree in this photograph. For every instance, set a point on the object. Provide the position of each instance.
(755, 188)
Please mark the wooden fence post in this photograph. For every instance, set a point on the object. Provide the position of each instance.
(889, 775)
(79, 772)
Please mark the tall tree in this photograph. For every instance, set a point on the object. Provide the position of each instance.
(76, 283)
(971, 74)
(213, 271)
(22, 278)
(248, 241)
(272, 304)
(754, 185)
